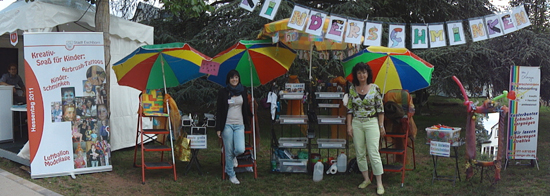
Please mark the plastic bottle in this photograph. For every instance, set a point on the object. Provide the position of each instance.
(342, 162)
(318, 171)
(273, 162)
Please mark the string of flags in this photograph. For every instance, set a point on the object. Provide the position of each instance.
(368, 33)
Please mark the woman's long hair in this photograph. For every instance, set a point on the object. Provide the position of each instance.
(361, 67)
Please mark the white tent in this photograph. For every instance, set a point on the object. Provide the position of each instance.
(78, 16)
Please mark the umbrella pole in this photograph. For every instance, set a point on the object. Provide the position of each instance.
(385, 77)
(253, 114)
(310, 60)
(168, 110)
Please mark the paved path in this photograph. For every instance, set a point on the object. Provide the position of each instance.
(11, 184)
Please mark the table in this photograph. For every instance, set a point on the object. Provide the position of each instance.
(19, 109)
(435, 176)
(194, 161)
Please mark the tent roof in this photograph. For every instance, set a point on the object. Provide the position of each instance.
(66, 15)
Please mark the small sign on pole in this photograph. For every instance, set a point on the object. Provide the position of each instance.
(442, 149)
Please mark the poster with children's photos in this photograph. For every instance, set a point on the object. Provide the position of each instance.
(68, 116)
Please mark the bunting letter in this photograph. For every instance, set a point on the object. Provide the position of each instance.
(354, 30)
(298, 18)
(520, 18)
(506, 22)
(436, 34)
(456, 34)
(419, 35)
(316, 22)
(493, 26)
(372, 33)
(477, 30)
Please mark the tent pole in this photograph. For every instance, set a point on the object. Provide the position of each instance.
(385, 77)
(253, 114)
(168, 110)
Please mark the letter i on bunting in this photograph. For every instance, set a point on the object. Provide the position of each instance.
(419, 36)
(315, 23)
(249, 4)
(477, 29)
(354, 31)
(270, 8)
(336, 28)
(455, 33)
(298, 18)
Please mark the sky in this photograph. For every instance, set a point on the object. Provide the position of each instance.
(5, 3)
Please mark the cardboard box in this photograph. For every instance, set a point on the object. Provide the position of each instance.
(442, 135)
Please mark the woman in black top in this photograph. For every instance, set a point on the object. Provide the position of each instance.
(232, 116)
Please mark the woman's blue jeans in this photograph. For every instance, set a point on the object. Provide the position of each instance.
(233, 141)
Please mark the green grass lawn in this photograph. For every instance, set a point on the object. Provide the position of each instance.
(126, 179)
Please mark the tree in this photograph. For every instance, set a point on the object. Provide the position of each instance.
(475, 63)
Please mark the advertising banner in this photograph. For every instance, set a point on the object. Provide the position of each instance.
(66, 103)
(523, 120)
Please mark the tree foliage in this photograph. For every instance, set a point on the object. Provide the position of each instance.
(475, 63)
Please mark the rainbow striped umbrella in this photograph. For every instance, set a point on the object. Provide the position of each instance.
(302, 40)
(257, 61)
(393, 68)
(159, 66)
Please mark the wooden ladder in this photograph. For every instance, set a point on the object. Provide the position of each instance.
(156, 142)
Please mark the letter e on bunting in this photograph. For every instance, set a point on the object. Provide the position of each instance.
(209, 67)
(336, 28)
(14, 38)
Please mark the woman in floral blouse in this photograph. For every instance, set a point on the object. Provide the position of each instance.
(365, 123)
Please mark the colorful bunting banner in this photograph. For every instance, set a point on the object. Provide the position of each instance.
(397, 36)
(494, 27)
(249, 4)
(521, 18)
(419, 36)
(455, 33)
(354, 31)
(298, 18)
(373, 34)
(270, 8)
(316, 23)
(477, 29)
(336, 28)
(437, 35)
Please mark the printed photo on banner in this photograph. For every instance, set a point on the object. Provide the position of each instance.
(270, 8)
(455, 33)
(419, 36)
(397, 36)
(298, 18)
(316, 22)
(373, 34)
(74, 135)
(437, 35)
(354, 32)
(336, 28)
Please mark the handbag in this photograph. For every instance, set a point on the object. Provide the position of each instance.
(183, 148)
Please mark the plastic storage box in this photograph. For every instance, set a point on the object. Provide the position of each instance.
(331, 143)
(443, 135)
(292, 142)
(293, 165)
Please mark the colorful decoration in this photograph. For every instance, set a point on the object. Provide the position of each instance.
(267, 61)
(393, 68)
(144, 68)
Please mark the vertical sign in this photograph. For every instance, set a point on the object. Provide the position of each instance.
(66, 97)
(523, 122)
